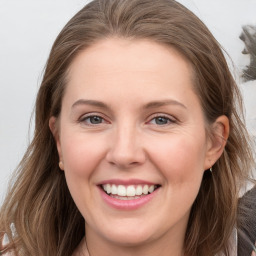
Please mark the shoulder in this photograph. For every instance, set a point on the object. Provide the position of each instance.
(247, 223)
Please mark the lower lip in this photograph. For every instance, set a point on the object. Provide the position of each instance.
(127, 204)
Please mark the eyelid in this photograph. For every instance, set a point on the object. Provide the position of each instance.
(167, 116)
(83, 117)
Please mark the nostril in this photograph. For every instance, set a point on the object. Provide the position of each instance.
(123, 160)
(126, 158)
(125, 150)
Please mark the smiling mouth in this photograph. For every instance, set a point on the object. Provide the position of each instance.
(129, 192)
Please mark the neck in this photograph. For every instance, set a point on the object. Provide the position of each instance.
(82, 249)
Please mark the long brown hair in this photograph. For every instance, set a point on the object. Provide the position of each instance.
(46, 220)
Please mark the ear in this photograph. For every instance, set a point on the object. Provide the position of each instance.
(217, 139)
(53, 125)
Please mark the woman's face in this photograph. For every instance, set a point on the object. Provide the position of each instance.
(132, 140)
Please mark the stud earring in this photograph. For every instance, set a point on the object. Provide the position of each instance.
(61, 165)
(211, 169)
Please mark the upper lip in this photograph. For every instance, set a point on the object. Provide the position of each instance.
(127, 182)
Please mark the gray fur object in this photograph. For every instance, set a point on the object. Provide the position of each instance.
(247, 223)
(248, 36)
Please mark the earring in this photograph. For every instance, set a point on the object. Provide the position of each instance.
(61, 165)
(211, 169)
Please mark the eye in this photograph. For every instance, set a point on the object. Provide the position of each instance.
(162, 120)
(92, 120)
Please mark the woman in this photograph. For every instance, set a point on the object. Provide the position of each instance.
(139, 148)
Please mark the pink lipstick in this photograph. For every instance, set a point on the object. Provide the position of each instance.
(128, 195)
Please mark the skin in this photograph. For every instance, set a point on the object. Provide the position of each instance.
(130, 142)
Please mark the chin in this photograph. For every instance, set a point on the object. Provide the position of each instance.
(132, 235)
(129, 241)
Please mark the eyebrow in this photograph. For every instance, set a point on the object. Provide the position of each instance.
(162, 103)
(90, 102)
(153, 104)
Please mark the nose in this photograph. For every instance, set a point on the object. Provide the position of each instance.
(126, 149)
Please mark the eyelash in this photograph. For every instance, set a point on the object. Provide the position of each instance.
(84, 119)
(103, 120)
(166, 117)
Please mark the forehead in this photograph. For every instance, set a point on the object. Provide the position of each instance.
(134, 72)
(127, 75)
(133, 52)
(126, 62)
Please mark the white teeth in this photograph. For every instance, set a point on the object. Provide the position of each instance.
(129, 191)
(139, 190)
(108, 188)
(114, 190)
(145, 190)
(125, 197)
(151, 189)
(121, 190)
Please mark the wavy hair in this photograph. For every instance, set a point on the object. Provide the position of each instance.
(47, 221)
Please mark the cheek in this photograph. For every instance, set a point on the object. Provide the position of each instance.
(180, 159)
(180, 162)
(81, 154)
